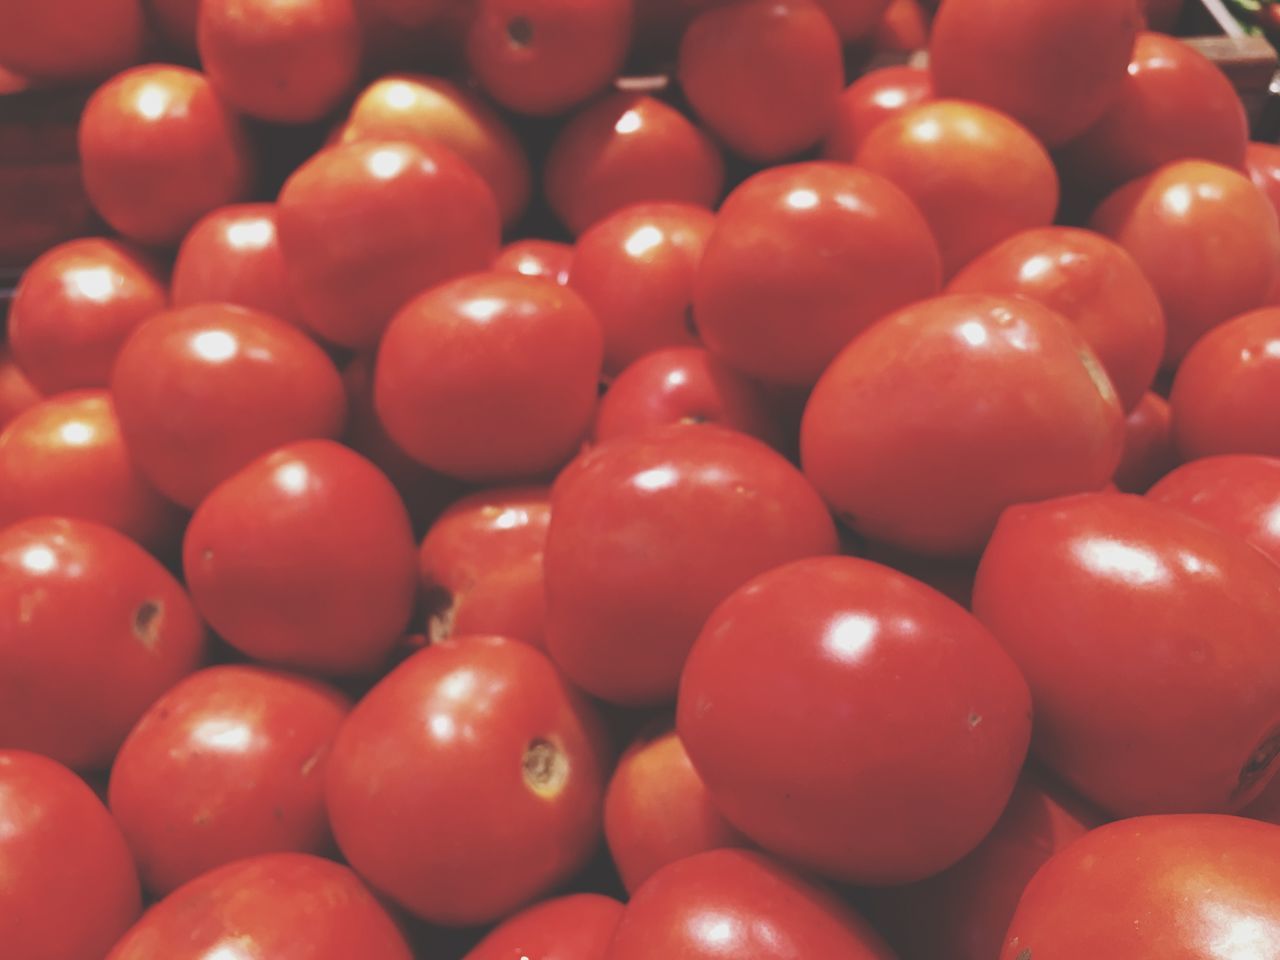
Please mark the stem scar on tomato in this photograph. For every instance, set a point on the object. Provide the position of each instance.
(520, 31)
(546, 768)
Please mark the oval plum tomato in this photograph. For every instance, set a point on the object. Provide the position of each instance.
(304, 558)
(70, 888)
(1148, 445)
(854, 19)
(544, 56)
(481, 738)
(202, 391)
(1238, 494)
(636, 270)
(1054, 66)
(176, 22)
(275, 905)
(75, 306)
(802, 259)
(367, 226)
(629, 148)
(731, 903)
(159, 150)
(763, 75)
(1152, 888)
(422, 109)
(977, 176)
(704, 509)
(1262, 160)
(904, 28)
(1091, 281)
(228, 764)
(66, 456)
(869, 101)
(490, 377)
(576, 927)
(70, 41)
(93, 630)
(17, 393)
(937, 418)
(548, 259)
(1147, 640)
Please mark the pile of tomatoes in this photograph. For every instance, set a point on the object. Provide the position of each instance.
(642, 480)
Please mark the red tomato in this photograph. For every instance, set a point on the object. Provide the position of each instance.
(869, 101)
(1154, 888)
(636, 270)
(73, 309)
(93, 631)
(1238, 494)
(730, 903)
(275, 905)
(304, 558)
(159, 150)
(763, 75)
(1091, 281)
(577, 927)
(629, 148)
(1054, 66)
(176, 22)
(69, 41)
(548, 259)
(1262, 161)
(480, 739)
(1207, 240)
(937, 418)
(367, 226)
(1148, 445)
(17, 393)
(70, 888)
(1147, 638)
(803, 258)
(904, 28)
(704, 509)
(854, 19)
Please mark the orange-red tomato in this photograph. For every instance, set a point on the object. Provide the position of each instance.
(576, 927)
(1148, 445)
(70, 41)
(548, 259)
(17, 393)
(904, 28)
(869, 101)
(1239, 494)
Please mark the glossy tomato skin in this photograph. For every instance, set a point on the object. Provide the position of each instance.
(1145, 636)
(576, 927)
(70, 41)
(159, 150)
(366, 226)
(275, 905)
(1148, 445)
(1237, 494)
(1154, 887)
(508, 769)
(875, 97)
(548, 259)
(802, 259)
(75, 306)
(304, 558)
(71, 887)
(93, 630)
(17, 393)
(705, 509)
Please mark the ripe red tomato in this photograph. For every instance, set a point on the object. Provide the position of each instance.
(1153, 888)
(802, 259)
(367, 226)
(69, 41)
(482, 741)
(763, 75)
(75, 306)
(904, 28)
(1147, 639)
(705, 509)
(854, 19)
(577, 927)
(70, 888)
(1054, 66)
(1238, 494)
(17, 393)
(869, 101)
(490, 377)
(548, 259)
(93, 631)
(624, 149)
(159, 150)
(1091, 281)
(275, 905)
(304, 558)
(1148, 445)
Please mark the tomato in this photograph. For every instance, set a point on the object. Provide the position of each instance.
(629, 148)
(875, 97)
(904, 28)
(636, 270)
(802, 259)
(92, 630)
(159, 150)
(937, 418)
(577, 927)
(548, 259)
(543, 56)
(1207, 240)
(70, 888)
(431, 110)
(75, 306)
(1054, 66)
(1262, 161)
(763, 75)
(481, 739)
(275, 905)
(1148, 445)
(1147, 639)
(69, 41)
(304, 558)
(1237, 494)
(730, 903)
(490, 377)
(366, 226)
(704, 509)
(1091, 281)
(17, 393)
(1152, 888)
(176, 22)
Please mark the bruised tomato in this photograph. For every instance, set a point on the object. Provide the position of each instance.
(1238, 494)
(576, 927)
(875, 97)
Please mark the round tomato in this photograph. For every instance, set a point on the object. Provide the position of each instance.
(548, 259)
(876, 96)
(577, 927)
(1148, 445)
(1238, 494)
(69, 41)
(17, 393)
